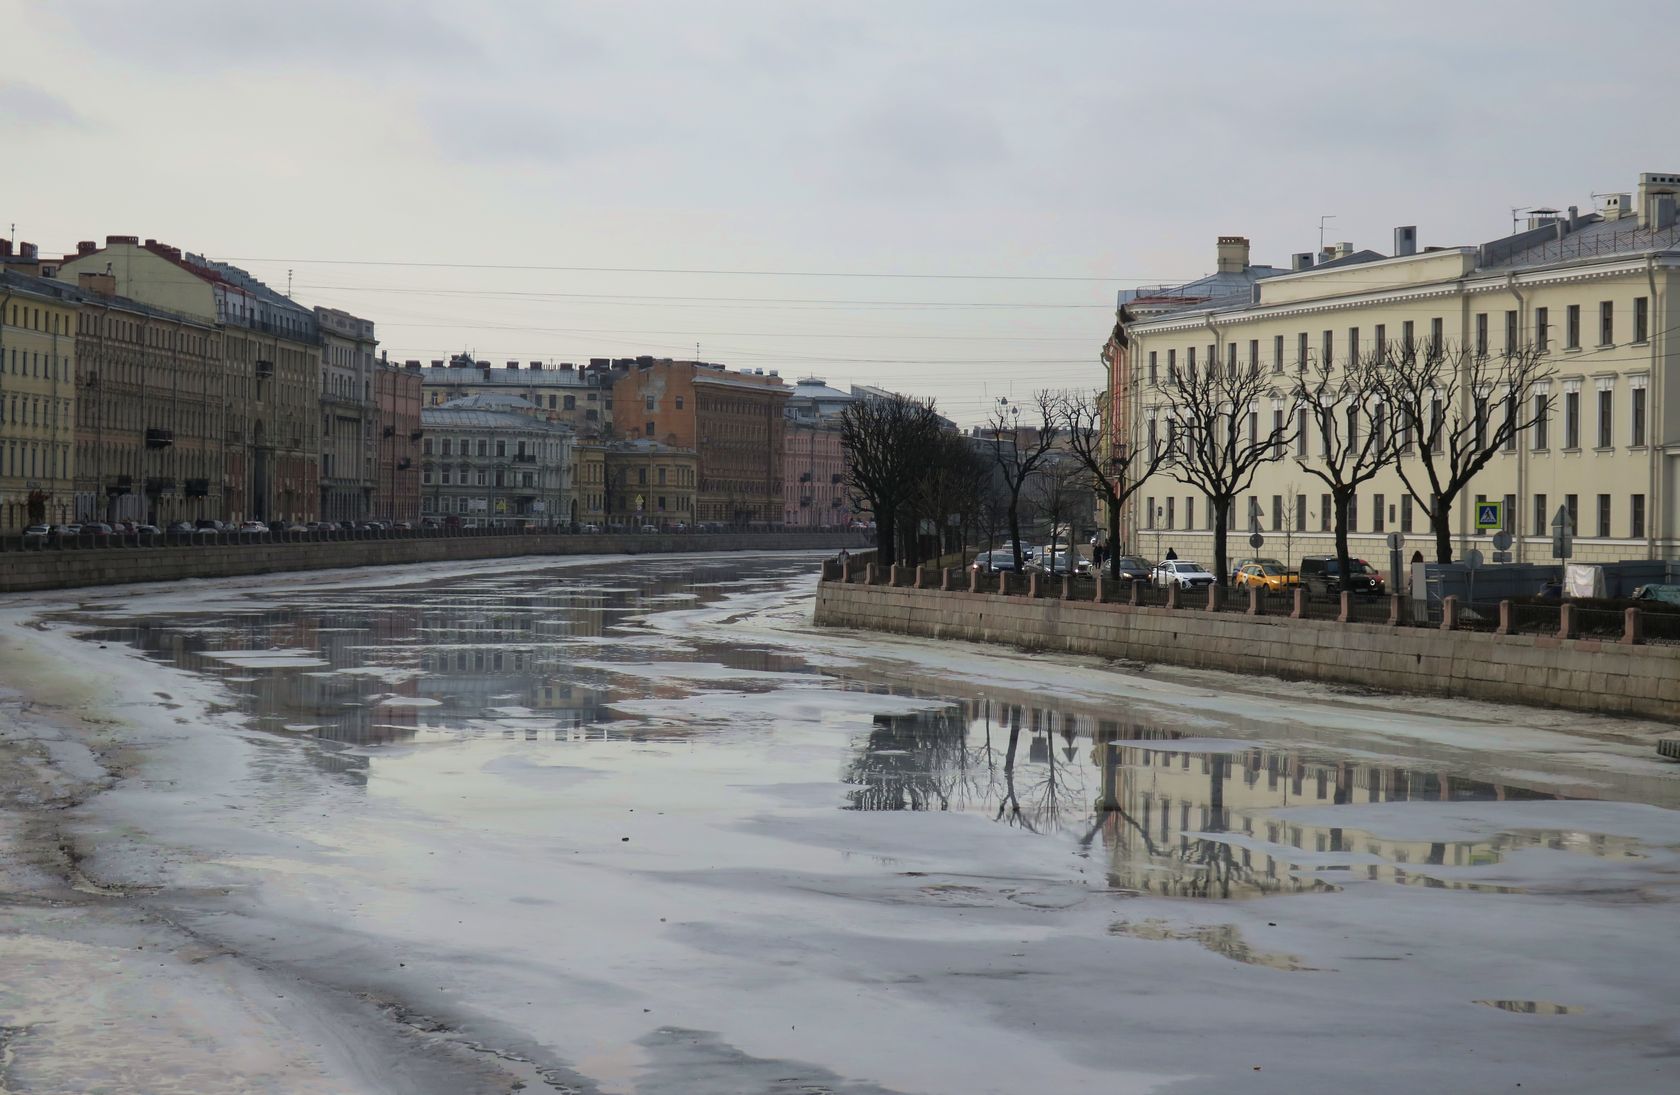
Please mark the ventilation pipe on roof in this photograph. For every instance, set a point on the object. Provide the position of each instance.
(1405, 240)
(1301, 260)
(1232, 254)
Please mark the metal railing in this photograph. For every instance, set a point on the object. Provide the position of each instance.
(121, 539)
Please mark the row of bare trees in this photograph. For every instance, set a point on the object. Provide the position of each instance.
(1436, 415)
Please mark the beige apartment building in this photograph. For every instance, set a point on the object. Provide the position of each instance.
(1590, 293)
(37, 402)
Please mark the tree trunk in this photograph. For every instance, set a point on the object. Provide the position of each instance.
(1114, 542)
(884, 545)
(1221, 557)
(1344, 570)
(1015, 529)
(1443, 533)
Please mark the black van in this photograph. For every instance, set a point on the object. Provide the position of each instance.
(1319, 574)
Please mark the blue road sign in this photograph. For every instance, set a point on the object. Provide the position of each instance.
(1490, 515)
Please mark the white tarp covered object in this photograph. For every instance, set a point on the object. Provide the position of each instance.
(1583, 580)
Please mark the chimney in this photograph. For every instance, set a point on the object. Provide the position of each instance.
(1662, 212)
(5, 249)
(513, 364)
(412, 366)
(1344, 249)
(565, 366)
(105, 284)
(1574, 217)
(536, 366)
(1405, 240)
(1232, 254)
(86, 247)
(1617, 206)
(436, 364)
(28, 252)
(1653, 186)
(132, 241)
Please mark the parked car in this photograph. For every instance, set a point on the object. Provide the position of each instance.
(1237, 566)
(402, 526)
(1132, 569)
(1320, 574)
(1059, 563)
(37, 534)
(650, 528)
(991, 562)
(253, 528)
(144, 529)
(97, 530)
(1182, 573)
(1273, 579)
(209, 525)
(590, 527)
(181, 528)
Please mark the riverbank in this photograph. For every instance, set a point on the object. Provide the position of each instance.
(230, 557)
(1599, 676)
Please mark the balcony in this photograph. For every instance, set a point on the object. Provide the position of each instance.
(157, 438)
(120, 485)
(160, 486)
(804, 477)
(390, 431)
(415, 435)
(265, 370)
(404, 464)
(524, 458)
(198, 488)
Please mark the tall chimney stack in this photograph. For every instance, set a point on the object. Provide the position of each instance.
(1405, 240)
(1232, 254)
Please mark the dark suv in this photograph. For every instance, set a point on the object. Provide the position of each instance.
(1320, 576)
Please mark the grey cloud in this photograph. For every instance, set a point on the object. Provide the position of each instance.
(24, 107)
(918, 145)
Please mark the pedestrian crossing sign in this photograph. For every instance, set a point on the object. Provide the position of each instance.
(1490, 515)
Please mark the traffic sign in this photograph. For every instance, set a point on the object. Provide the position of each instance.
(1396, 541)
(1472, 558)
(1563, 534)
(1501, 556)
(1490, 515)
(1256, 540)
(1501, 541)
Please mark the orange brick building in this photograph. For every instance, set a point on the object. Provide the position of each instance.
(732, 421)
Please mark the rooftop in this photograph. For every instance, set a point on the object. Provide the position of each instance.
(468, 418)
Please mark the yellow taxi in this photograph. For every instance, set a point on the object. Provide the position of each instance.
(1274, 579)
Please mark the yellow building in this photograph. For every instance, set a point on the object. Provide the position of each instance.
(1590, 294)
(650, 483)
(589, 476)
(37, 402)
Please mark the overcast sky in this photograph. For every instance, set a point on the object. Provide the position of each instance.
(554, 180)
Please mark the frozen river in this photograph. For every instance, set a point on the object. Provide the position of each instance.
(633, 826)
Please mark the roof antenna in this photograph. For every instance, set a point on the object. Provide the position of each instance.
(1321, 220)
(288, 283)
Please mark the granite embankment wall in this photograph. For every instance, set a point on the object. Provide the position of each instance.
(1596, 675)
(24, 571)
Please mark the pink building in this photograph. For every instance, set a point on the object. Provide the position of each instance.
(396, 490)
(814, 471)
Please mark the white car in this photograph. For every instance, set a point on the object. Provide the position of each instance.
(1182, 573)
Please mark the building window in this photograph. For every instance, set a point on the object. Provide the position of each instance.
(1277, 353)
(1170, 503)
(1542, 330)
(1604, 515)
(1253, 357)
(1571, 420)
(1405, 513)
(1636, 515)
(1353, 513)
(648, 429)
(1277, 433)
(1509, 426)
(1408, 342)
(1154, 378)
(1641, 318)
(1481, 334)
(1542, 520)
(1606, 322)
(1230, 359)
(1510, 333)
(1300, 512)
(1277, 512)
(1437, 341)
(1149, 512)
(1606, 421)
(1572, 327)
(1542, 419)
(569, 403)
(1377, 513)
(1300, 431)
(1329, 349)
(1325, 512)
(1353, 345)
(1637, 399)
(1572, 506)
(1379, 341)
(1172, 366)
(1301, 352)
(649, 402)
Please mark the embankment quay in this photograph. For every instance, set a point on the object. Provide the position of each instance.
(1501, 653)
(118, 560)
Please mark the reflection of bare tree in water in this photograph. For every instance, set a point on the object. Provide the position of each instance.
(926, 761)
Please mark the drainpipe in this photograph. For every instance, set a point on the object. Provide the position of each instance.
(1656, 447)
(1522, 450)
(5, 506)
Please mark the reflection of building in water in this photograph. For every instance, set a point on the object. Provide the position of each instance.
(1159, 802)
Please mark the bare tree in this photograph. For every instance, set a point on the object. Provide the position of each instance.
(1217, 440)
(953, 489)
(1356, 435)
(889, 443)
(1016, 459)
(1116, 470)
(1055, 493)
(1460, 408)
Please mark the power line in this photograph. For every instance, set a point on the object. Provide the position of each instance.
(685, 271)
